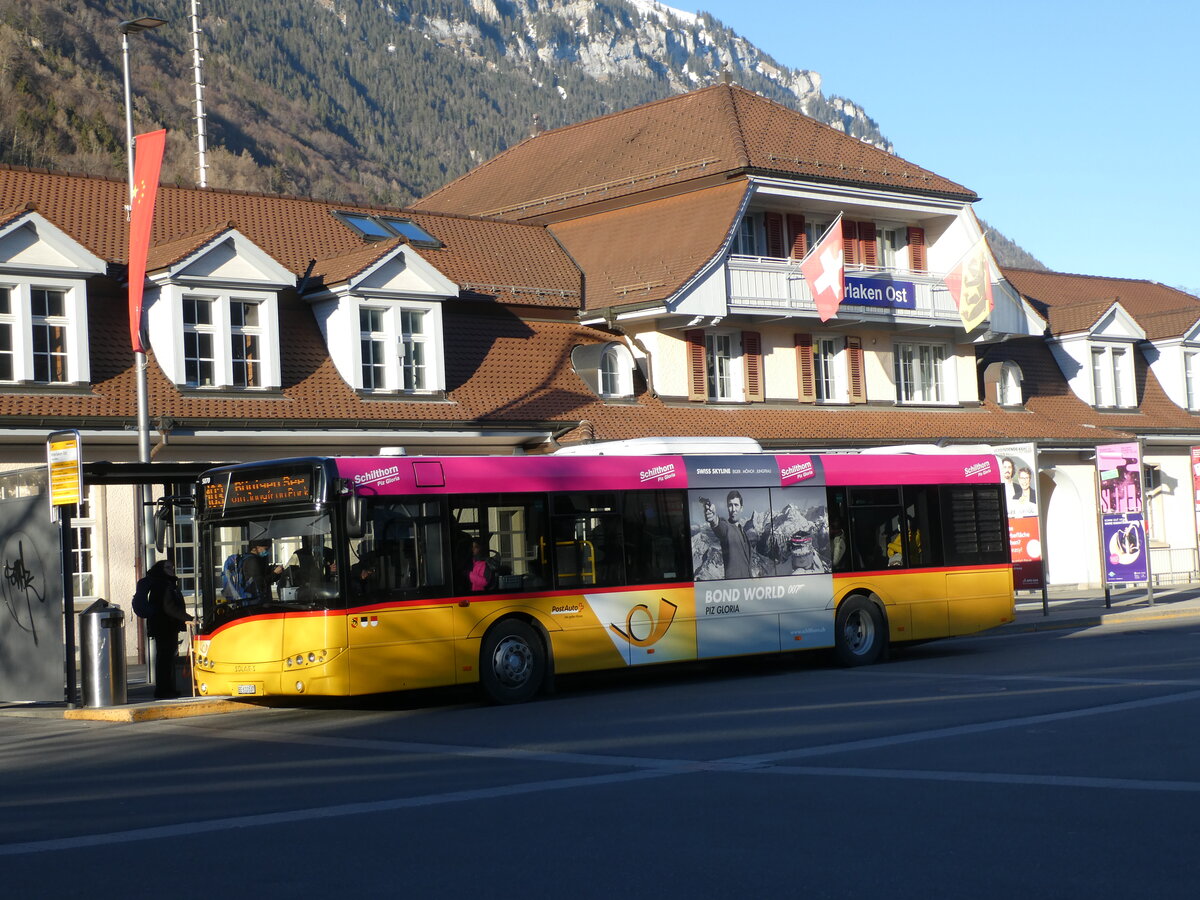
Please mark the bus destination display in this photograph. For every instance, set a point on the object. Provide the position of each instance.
(244, 490)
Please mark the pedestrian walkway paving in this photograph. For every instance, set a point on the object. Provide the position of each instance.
(1088, 608)
(1062, 608)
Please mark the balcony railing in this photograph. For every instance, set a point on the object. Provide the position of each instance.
(769, 284)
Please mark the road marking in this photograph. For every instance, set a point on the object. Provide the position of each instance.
(640, 768)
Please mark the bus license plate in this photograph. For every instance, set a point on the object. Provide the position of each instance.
(247, 689)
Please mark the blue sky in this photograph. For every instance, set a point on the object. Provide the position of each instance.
(1076, 122)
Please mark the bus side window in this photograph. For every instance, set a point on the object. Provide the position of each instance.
(406, 545)
(588, 541)
(511, 533)
(839, 544)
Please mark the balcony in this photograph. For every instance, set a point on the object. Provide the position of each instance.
(769, 285)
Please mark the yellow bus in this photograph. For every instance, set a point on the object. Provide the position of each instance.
(359, 575)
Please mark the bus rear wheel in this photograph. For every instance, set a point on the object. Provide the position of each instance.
(859, 633)
(512, 662)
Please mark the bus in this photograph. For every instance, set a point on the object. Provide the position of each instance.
(386, 573)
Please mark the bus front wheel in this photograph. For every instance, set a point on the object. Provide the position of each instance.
(512, 662)
(859, 632)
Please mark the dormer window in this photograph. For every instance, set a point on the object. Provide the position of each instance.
(607, 369)
(1002, 383)
(38, 342)
(1112, 377)
(394, 347)
(224, 339)
(381, 228)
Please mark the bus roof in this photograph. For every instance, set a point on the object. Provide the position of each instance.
(492, 474)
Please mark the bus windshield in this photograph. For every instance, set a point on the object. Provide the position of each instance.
(271, 562)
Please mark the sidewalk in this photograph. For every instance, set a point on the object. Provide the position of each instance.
(1085, 608)
(1067, 608)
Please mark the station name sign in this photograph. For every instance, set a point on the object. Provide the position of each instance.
(882, 292)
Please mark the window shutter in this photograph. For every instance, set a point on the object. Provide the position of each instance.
(805, 376)
(752, 355)
(854, 369)
(774, 225)
(850, 242)
(916, 249)
(866, 243)
(797, 239)
(698, 374)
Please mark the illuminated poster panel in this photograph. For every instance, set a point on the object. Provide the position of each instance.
(1018, 473)
(1123, 550)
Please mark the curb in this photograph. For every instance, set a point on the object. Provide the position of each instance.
(1099, 620)
(146, 712)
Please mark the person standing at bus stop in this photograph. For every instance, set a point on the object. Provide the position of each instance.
(169, 617)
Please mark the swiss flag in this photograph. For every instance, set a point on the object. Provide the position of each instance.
(147, 163)
(824, 268)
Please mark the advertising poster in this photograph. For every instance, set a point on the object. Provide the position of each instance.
(1196, 485)
(1122, 524)
(1018, 473)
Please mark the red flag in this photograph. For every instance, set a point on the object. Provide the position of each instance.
(970, 285)
(824, 268)
(147, 163)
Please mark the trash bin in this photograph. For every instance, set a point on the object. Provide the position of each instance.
(102, 655)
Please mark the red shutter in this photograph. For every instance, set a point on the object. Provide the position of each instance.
(797, 239)
(752, 356)
(854, 369)
(774, 225)
(866, 244)
(698, 371)
(916, 249)
(850, 242)
(805, 376)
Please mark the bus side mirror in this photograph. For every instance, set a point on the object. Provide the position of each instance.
(161, 517)
(354, 515)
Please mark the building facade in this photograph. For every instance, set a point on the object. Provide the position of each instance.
(635, 275)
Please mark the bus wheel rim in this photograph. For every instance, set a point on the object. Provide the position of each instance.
(513, 661)
(860, 632)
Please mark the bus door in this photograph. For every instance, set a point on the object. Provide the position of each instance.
(399, 618)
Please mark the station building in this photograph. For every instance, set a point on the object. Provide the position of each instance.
(633, 275)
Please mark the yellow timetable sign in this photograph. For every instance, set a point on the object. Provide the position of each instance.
(63, 457)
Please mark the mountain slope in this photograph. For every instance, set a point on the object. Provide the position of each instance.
(353, 99)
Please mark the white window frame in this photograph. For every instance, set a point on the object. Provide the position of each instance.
(1008, 386)
(242, 333)
(21, 321)
(929, 376)
(723, 372)
(398, 346)
(829, 369)
(168, 329)
(1112, 376)
(1191, 379)
(615, 372)
(83, 550)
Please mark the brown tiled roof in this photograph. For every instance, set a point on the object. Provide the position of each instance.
(714, 131)
(161, 256)
(647, 253)
(338, 269)
(519, 261)
(1074, 296)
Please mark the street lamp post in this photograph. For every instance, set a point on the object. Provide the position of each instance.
(145, 519)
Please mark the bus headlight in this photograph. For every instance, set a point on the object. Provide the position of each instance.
(299, 687)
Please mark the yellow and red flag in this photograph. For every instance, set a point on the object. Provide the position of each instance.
(147, 163)
(970, 284)
(824, 268)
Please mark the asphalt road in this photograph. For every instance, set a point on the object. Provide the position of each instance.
(1057, 764)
